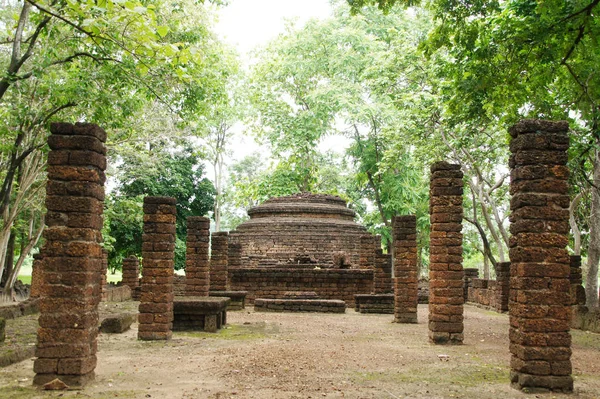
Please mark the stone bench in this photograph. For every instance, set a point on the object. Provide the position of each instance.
(300, 295)
(199, 313)
(300, 305)
(374, 303)
(118, 323)
(238, 298)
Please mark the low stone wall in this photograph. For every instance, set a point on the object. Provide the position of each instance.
(375, 303)
(18, 309)
(586, 320)
(118, 294)
(300, 305)
(273, 283)
(488, 294)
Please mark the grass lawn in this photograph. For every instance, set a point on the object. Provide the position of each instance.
(25, 275)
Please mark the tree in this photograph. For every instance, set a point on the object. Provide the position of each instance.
(99, 61)
(165, 171)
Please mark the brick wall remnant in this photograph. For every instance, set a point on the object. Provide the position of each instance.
(71, 291)
(131, 272)
(446, 295)
(469, 275)
(158, 254)
(404, 230)
(218, 261)
(540, 298)
(197, 276)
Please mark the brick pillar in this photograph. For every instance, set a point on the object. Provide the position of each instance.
(196, 258)
(37, 275)
(576, 280)
(470, 274)
(502, 286)
(368, 246)
(406, 282)
(104, 272)
(158, 254)
(446, 294)
(218, 261)
(234, 252)
(382, 274)
(70, 292)
(131, 272)
(540, 297)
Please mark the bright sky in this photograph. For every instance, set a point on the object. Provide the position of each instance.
(250, 23)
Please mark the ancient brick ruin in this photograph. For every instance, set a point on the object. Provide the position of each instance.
(404, 232)
(70, 288)
(219, 248)
(490, 294)
(540, 297)
(131, 273)
(306, 242)
(446, 295)
(197, 275)
(158, 254)
(298, 231)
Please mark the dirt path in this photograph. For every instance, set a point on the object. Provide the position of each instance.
(272, 356)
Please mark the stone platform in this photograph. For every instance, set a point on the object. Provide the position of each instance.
(238, 298)
(374, 303)
(300, 305)
(199, 313)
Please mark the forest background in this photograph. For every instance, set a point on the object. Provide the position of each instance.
(399, 84)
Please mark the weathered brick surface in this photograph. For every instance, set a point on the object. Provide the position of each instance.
(197, 275)
(470, 274)
(219, 248)
(540, 290)
(36, 275)
(368, 246)
(131, 274)
(72, 256)
(446, 294)
(406, 282)
(272, 283)
(158, 253)
(382, 277)
(374, 303)
(575, 277)
(300, 305)
(299, 230)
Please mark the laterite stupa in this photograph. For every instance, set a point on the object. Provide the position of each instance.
(299, 230)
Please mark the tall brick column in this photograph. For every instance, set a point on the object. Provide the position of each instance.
(540, 298)
(218, 261)
(131, 272)
(406, 282)
(446, 294)
(577, 290)
(469, 275)
(502, 286)
(158, 254)
(104, 283)
(368, 246)
(196, 257)
(70, 292)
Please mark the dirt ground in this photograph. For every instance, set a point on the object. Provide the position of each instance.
(300, 355)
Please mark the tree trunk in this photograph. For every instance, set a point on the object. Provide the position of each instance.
(591, 283)
(486, 267)
(9, 260)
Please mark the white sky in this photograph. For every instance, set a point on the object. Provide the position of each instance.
(247, 24)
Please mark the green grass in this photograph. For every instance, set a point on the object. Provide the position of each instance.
(234, 332)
